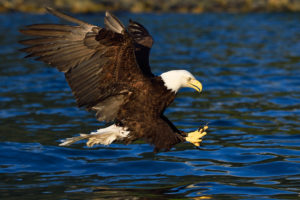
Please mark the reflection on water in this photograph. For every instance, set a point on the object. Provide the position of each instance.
(250, 68)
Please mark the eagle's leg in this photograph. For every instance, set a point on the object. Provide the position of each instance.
(103, 136)
(195, 137)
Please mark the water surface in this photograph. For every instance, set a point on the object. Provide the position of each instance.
(249, 65)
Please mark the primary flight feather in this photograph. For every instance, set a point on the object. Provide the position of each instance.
(108, 71)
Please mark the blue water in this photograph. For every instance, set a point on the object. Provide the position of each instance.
(249, 65)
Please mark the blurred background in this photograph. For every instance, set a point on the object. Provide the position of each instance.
(190, 6)
(245, 52)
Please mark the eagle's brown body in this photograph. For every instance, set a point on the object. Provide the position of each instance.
(147, 120)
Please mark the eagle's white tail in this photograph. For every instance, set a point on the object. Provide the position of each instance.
(103, 136)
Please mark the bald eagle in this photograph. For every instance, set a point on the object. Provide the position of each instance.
(108, 71)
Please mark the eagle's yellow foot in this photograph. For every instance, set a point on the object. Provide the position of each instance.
(196, 136)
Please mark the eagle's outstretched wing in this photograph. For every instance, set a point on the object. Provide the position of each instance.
(99, 63)
(143, 42)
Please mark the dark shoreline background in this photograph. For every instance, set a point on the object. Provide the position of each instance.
(187, 6)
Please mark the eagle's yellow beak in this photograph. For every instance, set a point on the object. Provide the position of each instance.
(193, 83)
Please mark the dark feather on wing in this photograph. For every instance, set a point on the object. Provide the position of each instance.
(92, 59)
(143, 43)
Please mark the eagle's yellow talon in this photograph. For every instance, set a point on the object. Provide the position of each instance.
(197, 144)
(195, 137)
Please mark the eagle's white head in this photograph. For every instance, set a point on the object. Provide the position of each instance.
(176, 79)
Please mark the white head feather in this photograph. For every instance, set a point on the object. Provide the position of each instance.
(176, 79)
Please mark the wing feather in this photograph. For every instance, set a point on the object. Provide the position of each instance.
(44, 32)
(57, 27)
(68, 18)
(140, 34)
(113, 23)
(95, 60)
(45, 41)
(143, 43)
